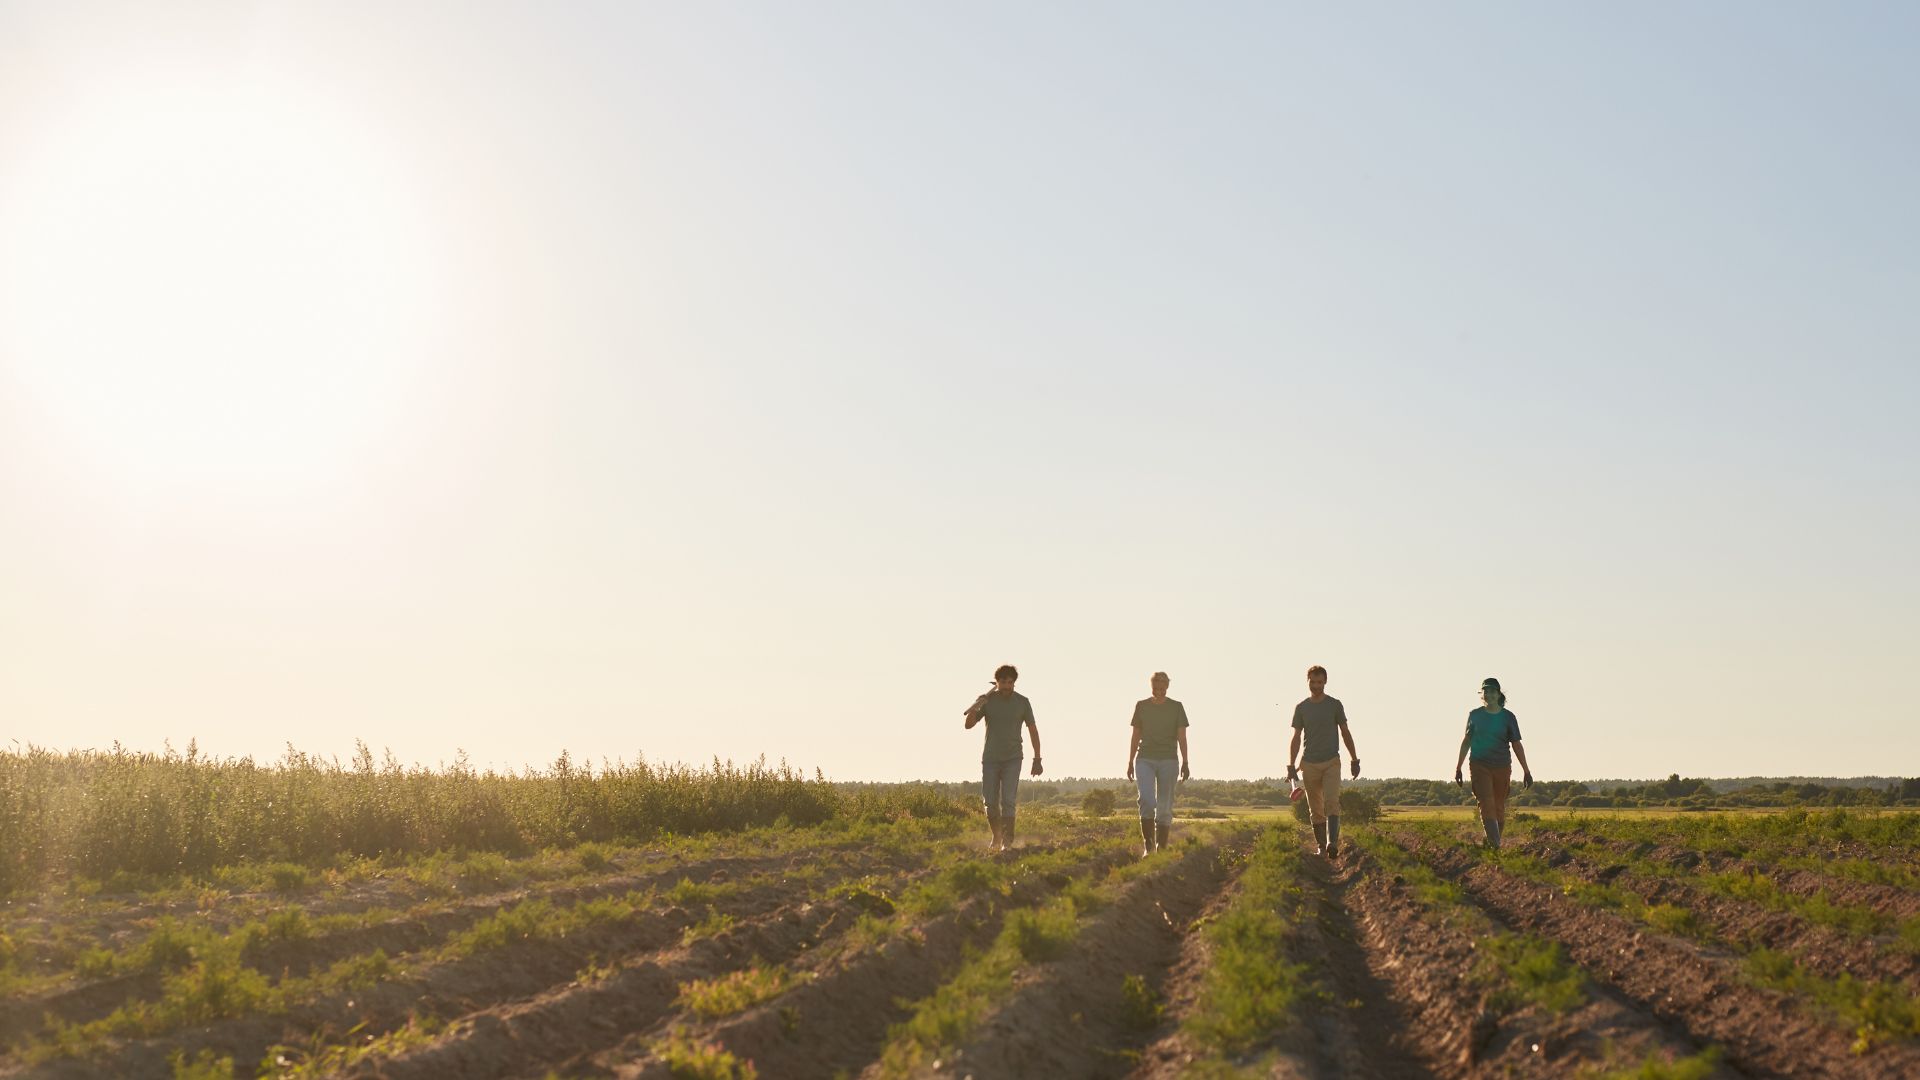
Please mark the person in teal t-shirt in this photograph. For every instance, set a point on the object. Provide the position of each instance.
(1005, 713)
(1159, 726)
(1490, 730)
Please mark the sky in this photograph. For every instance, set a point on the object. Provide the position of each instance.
(726, 381)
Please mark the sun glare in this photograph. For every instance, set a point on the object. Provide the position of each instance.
(222, 287)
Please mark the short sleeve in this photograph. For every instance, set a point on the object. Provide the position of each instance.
(1298, 721)
(1136, 714)
(1029, 704)
(1342, 708)
(1183, 715)
(1470, 723)
(1513, 727)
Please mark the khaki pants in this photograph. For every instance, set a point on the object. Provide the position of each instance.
(1490, 783)
(1322, 781)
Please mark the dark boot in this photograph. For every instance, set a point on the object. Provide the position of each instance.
(1320, 835)
(1333, 835)
(1146, 837)
(993, 822)
(1006, 833)
(1160, 834)
(1498, 828)
(1493, 832)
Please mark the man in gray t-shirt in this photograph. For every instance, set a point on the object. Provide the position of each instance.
(1322, 722)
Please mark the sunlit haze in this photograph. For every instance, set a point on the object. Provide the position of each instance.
(735, 380)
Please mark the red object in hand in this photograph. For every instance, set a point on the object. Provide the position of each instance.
(1297, 793)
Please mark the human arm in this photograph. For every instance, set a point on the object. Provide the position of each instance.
(1293, 751)
(1457, 762)
(1352, 754)
(1186, 772)
(976, 712)
(1133, 747)
(1033, 732)
(1526, 773)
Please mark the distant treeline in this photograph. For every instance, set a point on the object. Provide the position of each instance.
(1674, 791)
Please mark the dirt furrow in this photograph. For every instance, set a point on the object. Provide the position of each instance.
(445, 988)
(836, 1021)
(1066, 1017)
(1825, 950)
(1433, 961)
(1890, 901)
(1764, 1032)
(75, 1004)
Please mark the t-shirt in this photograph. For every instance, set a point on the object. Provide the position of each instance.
(1321, 721)
(1159, 724)
(1005, 716)
(1488, 734)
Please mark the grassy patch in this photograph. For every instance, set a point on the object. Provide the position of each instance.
(1698, 1066)
(735, 991)
(1533, 971)
(686, 1059)
(1252, 989)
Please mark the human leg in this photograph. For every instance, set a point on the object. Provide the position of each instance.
(1143, 782)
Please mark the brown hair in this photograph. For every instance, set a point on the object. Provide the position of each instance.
(1006, 671)
(1161, 676)
(1316, 670)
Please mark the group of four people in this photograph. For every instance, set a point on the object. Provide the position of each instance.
(1159, 729)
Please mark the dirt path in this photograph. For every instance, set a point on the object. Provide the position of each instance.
(837, 1021)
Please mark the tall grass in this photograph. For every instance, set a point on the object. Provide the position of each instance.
(104, 813)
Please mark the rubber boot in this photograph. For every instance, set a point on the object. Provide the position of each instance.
(1498, 828)
(993, 822)
(1146, 837)
(1160, 829)
(1006, 833)
(1320, 834)
(1492, 832)
(1333, 835)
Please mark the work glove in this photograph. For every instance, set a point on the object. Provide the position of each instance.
(1456, 778)
(1129, 768)
(1356, 766)
(1036, 770)
(1526, 779)
(1186, 773)
(1293, 773)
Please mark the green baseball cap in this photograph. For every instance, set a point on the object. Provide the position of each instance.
(1490, 684)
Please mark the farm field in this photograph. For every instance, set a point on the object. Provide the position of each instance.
(892, 945)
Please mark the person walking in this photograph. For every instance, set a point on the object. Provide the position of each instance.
(1159, 725)
(1004, 712)
(1321, 722)
(1490, 730)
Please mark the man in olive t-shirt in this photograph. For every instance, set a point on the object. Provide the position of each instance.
(1322, 720)
(1004, 712)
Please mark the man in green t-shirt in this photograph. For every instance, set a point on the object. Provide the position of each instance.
(1004, 712)
(1322, 722)
(1159, 726)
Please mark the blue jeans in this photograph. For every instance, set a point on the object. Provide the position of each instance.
(1156, 777)
(1000, 786)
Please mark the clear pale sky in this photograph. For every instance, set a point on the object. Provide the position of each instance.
(703, 379)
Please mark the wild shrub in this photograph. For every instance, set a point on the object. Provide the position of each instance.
(1534, 970)
(593, 857)
(1098, 803)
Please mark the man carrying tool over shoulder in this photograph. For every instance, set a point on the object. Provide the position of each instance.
(1323, 721)
(1004, 712)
